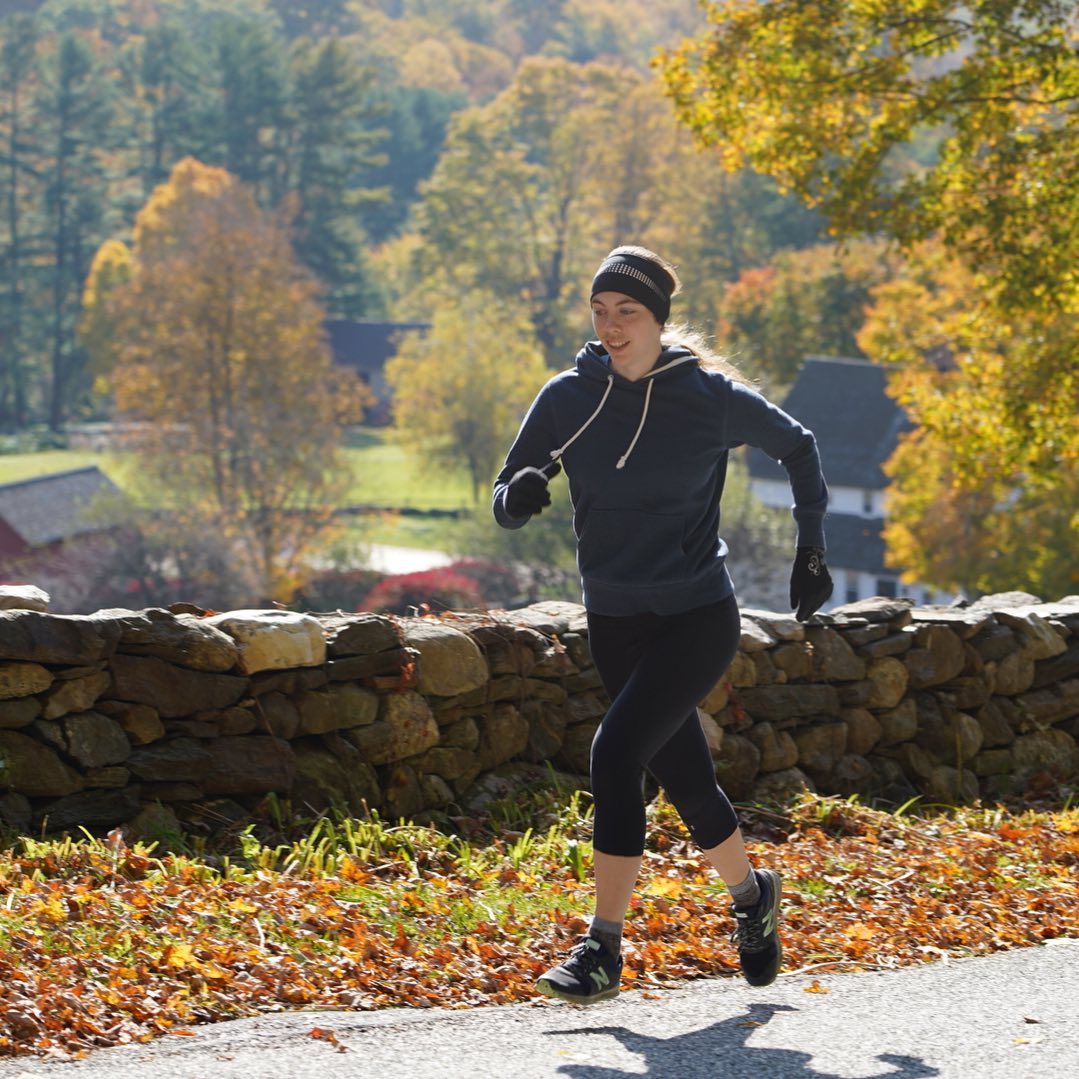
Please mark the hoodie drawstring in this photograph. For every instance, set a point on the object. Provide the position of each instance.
(640, 426)
(689, 358)
(555, 454)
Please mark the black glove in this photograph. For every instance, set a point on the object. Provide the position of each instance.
(811, 583)
(527, 492)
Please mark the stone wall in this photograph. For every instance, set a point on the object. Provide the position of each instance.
(139, 716)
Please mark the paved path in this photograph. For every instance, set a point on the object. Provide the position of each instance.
(1014, 1015)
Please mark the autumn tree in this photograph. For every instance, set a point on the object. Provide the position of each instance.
(222, 367)
(18, 170)
(959, 124)
(985, 491)
(801, 303)
(73, 114)
(830, 98)
(461, 387)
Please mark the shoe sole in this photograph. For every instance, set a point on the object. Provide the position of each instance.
(777, 894)
(548, 990)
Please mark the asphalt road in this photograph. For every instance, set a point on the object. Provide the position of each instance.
(1014, 1015)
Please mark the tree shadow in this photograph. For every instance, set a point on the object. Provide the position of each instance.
(722, 1050)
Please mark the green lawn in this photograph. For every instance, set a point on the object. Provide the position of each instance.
(384, 475)
(27, 466)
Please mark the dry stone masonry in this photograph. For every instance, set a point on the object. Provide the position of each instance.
(169, 719)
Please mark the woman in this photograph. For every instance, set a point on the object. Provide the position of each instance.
(643, 425)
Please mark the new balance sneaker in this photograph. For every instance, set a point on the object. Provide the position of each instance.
(756, 932)
(589, 975)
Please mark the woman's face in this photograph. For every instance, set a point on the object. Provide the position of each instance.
(627, 330)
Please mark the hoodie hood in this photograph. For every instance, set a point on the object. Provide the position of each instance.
(593, 362)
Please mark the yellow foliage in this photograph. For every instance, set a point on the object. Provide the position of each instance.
(222, 366)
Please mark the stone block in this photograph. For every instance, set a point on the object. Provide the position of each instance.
(175, 692)
(333, 776)
(503, 735)
(737, 765)
(450, 661)
(23, 597)
(93, 740)
(248, 764)
(780, 788)
(937, 657)
(65, 640)
(182, 639)
(1014, 674)
(362, 634)
(23, 680)
(951, 786)
(273, 640)
(16, 714)
(996, 730)
(833, 658)
(776, 748)
(821, 746)
(864, 730)
(889, 680)
(782, 702)
(1040, 639)
(33, 769)
(75, 695)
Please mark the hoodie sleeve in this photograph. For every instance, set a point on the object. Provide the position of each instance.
(753, 420)
(531, 449)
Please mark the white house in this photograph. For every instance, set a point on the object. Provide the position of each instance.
(857, 426)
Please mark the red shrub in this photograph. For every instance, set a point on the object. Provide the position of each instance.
(438, 589)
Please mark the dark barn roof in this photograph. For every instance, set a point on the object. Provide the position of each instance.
(366, 346)
(46, 509)
(857, 425)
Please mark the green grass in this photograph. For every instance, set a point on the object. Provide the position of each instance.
(384, 475)
(27, 466)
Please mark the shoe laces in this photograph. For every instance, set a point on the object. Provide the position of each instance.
(748, 932)
(585, 956)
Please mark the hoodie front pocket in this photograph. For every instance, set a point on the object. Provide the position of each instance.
(631, 547)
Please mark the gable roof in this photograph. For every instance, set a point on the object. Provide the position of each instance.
(366, 346)
(50, 508)
(856, 424)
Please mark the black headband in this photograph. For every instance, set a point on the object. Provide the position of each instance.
(636, 277)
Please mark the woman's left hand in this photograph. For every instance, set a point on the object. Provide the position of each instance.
(811, 583)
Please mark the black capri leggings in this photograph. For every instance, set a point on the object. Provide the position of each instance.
(656, 669)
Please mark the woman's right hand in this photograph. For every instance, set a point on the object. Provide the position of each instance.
(527, 492)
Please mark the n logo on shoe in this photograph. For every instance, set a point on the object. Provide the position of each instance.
(601, 978)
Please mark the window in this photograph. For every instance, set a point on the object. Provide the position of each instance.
(852, 595)
(867, 502)
(886, 587)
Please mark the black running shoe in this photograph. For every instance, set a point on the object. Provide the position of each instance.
(757, 932)
(589, 975)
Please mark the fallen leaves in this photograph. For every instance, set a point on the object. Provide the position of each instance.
(106, 949)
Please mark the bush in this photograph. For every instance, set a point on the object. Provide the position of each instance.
(337, 589)
(500, 584)
(438, 589)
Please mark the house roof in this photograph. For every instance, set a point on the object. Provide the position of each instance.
(50, 508)
(855, 543)
(857, 425)
(366, 346)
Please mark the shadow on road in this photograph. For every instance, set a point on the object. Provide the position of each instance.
(722, 1050)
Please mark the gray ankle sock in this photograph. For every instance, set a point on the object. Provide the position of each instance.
(609, 934)
(747, 894)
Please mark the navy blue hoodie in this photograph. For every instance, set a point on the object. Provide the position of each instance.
(646, 462)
